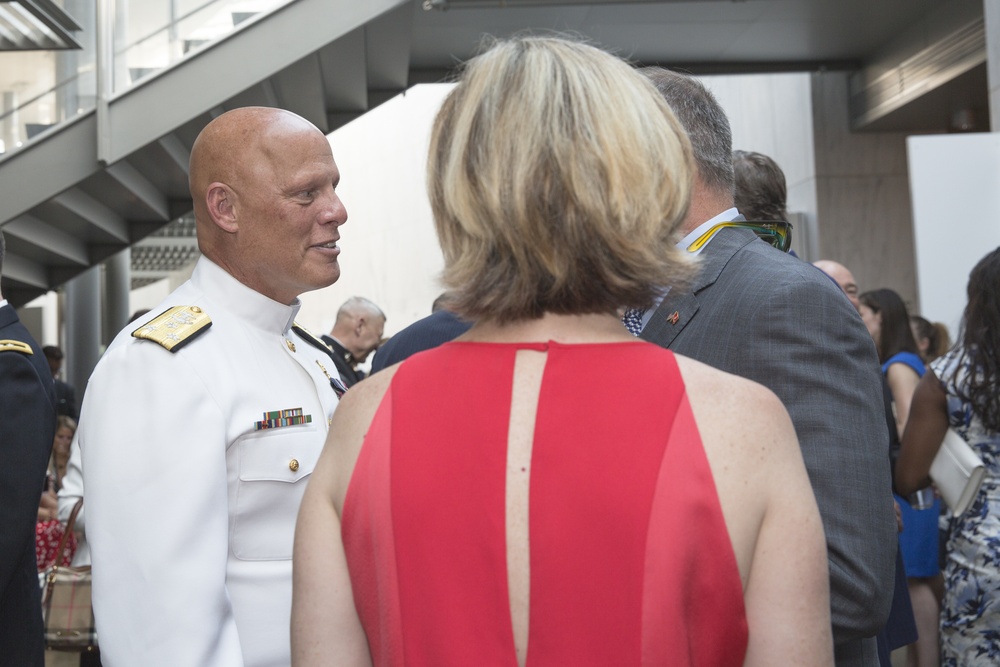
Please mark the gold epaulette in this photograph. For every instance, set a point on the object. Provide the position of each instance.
(309, 336)
(15, 346)
(175, 328)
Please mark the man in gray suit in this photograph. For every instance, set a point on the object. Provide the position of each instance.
(765, 315)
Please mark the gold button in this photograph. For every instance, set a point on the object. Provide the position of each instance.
(195, 309)
(293, 465)
(290, 344)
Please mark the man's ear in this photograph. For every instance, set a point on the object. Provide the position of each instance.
(221, 202)
(359, 325)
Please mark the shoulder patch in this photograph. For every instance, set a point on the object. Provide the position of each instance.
(15, 346)
(175, 328)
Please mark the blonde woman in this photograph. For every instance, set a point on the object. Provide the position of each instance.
(547, 488)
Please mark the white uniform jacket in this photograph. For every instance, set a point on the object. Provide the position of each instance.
(191, 492)
(70, 492)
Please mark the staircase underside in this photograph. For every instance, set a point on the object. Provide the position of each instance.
(64, 211)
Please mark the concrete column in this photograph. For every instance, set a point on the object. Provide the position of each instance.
(83, 328)
(117, 285)
(862, 194)
(991, 12)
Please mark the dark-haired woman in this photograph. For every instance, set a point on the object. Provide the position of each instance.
(885, 315)
(960, 390)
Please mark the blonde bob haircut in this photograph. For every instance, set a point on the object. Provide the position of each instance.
(557, 176)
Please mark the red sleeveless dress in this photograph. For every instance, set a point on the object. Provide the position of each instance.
(631, 563)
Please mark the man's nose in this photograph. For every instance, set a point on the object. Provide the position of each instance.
(334, 210)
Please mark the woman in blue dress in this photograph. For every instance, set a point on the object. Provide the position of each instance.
(888, 322)
(960, 390)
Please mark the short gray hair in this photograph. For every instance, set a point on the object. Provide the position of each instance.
(357, 305)
(705, 122)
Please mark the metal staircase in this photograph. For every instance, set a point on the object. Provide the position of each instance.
(62, 210)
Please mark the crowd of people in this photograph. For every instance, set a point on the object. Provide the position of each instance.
(636, 429)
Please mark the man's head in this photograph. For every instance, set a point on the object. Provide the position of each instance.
(842, 276)
(707, 126)
(761, 192)
(264, 184)
(359, 327)
(55, 358)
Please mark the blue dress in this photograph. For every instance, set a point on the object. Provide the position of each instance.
(970, 613)
(919, 539)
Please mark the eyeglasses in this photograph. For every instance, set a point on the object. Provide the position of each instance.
(776, 232)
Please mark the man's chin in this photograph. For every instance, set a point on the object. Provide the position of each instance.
(327, 278)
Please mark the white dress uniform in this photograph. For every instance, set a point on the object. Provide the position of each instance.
(195, 461)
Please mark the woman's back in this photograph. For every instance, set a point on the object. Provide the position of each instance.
(630, 561)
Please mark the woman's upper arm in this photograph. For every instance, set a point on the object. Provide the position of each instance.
(902, 383)
(922, 437)
(771, 515)
(325, 622)
(788, 592)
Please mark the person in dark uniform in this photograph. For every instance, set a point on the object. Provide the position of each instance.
(27, 428)
(356, 333)
(441, 326)
(65, 395)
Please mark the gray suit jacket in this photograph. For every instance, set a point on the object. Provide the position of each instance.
(767, 316)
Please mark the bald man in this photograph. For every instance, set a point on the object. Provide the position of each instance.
(204, 418)
(355, 334)
(842, 276)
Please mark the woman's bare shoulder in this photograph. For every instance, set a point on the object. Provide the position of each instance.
(744, 426)
(351, 421)
(730, 396)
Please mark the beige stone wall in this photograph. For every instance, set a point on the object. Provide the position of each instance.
(863, 207)
(991, 9)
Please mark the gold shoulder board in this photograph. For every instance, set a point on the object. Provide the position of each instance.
(15, 346)
(309, 336)
(175, 328)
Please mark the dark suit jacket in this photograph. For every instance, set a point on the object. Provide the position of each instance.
(341, 357)
(424, 334)
(66, 400)
(759, 313)
(27, 427)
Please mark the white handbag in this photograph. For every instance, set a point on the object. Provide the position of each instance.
(957, 472)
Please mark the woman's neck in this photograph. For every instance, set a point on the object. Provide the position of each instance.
(590, 328)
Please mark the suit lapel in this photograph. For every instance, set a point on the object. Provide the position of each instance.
(670, 318)
(679, 307)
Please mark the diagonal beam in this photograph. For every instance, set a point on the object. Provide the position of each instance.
(94, 213)
(43, 235)
(141, 187)
(25, 271)
(177, 151)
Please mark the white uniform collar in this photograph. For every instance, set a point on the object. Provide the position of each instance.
(3, 302)
(246, 303)
(726, 216)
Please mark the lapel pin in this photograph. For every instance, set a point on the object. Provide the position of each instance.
(674, 317)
